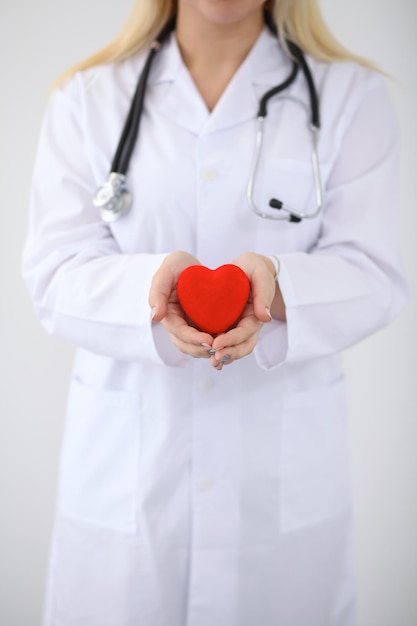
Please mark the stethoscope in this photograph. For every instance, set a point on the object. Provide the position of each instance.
(113, 197)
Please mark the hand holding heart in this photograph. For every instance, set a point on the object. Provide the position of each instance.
(237, 342)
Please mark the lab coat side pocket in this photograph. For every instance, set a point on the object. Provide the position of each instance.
(315, 456)
(100, 456)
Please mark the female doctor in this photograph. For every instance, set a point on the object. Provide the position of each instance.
(204, 479)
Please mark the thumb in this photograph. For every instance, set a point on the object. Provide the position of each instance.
(162, 286)
(262, 297)
(262, 310)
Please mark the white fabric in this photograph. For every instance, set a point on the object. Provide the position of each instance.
(189, 497)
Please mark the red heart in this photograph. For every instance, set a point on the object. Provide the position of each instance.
(213, 299)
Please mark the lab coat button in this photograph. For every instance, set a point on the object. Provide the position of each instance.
(209, 174)
(205, 385)
(205, 484)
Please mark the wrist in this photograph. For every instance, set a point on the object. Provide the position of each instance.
(277, 306)
(272, 263)
(276, 264)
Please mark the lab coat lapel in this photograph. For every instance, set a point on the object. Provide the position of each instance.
(264, 67)
(177, 96)
(175, 93)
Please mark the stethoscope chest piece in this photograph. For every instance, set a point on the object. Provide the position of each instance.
(113, 198)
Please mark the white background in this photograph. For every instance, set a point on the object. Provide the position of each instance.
(38, 40)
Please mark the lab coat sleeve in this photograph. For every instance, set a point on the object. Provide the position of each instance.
(83, 287)
(351, 283)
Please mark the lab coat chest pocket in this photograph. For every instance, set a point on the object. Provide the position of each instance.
(292, 182)
(315, 456)
(99, 463)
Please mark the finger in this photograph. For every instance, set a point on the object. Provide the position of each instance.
(228, 355)
(194, 350)
(188, 339)
(263, 292)
(165, 280)
(261, 272)
(246, 328)
(262, 311)
(218, 365)
(161, 288)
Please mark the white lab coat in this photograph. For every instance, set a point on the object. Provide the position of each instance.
(189, 497)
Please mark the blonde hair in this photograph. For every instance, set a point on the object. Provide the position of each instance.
(298, 20)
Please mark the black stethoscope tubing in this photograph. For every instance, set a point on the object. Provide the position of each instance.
(112, 197)
(298, 60)
(130, 131)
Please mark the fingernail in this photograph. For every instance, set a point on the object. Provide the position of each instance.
(211, 351)
(225, 358)
(268, 312)
(205, 345)
(153, 312)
